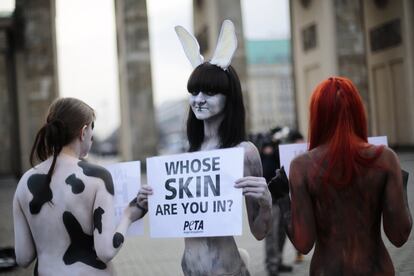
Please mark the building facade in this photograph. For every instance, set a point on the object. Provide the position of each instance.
(270, 84)
(371, 42)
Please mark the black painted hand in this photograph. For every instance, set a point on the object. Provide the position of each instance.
(405, 179)
(279, 185)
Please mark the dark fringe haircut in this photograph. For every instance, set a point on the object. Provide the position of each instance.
(211, 78)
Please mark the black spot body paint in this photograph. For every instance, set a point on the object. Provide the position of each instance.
(40, 190)
(99, 172)
(118, 239)
(81, 248)
(133, 203)
(76, 184)
(97, 219)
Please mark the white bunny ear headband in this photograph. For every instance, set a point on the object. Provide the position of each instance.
(225, 49)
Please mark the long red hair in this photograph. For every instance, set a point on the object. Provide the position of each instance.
(338, 119)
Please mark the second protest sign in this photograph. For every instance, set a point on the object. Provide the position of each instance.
(194, 194)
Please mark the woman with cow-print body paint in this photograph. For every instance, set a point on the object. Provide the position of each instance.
(63, 207)
(216, 120)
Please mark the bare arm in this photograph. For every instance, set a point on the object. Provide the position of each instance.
(257, 195)
(298, 212)
(23, 240)
(108, 238)
(396, 213)
(303, 223)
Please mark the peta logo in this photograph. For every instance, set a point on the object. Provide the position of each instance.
(193, 226)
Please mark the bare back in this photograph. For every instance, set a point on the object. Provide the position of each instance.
(69, 226)
(346, 227)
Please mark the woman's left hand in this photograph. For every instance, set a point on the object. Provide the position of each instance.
(255, 187)
(138, 207)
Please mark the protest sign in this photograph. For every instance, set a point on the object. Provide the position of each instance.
(127, 181)
(194, 194)
(288, 152)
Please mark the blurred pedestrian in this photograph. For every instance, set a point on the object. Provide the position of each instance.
(275, 239)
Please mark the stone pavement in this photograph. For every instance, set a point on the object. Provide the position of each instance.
(161, 257)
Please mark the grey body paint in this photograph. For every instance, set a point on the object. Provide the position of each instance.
(211, 255)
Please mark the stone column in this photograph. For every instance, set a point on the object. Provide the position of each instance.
(208, 17)
(36, 67)
(9, 147)
(138, 131)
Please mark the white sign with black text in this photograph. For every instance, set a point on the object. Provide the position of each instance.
(288, 152)
(127, 181)
(194, 194)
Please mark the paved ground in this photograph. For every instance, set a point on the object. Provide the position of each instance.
(161, 257)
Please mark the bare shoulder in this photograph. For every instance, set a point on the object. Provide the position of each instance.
(22, 185)
(250, 150)
(389, 159)
(99, 172)
(252, 162)
(93, 169)
(299, 168)
(301, 161)
(388, 154)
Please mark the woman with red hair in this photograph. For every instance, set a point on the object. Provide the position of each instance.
(341, 187)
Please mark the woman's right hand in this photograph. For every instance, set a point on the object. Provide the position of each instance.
(142, 197)
(138, 207)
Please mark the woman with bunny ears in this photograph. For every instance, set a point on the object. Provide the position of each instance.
(216, 120)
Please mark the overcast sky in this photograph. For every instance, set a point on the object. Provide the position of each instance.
(86, 44)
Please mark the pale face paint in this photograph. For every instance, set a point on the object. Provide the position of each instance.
(207, 106)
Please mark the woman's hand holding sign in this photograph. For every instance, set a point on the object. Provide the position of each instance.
(140, 202)
(257, 195)
(258, 203)
(142, 197)
(255, 187)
